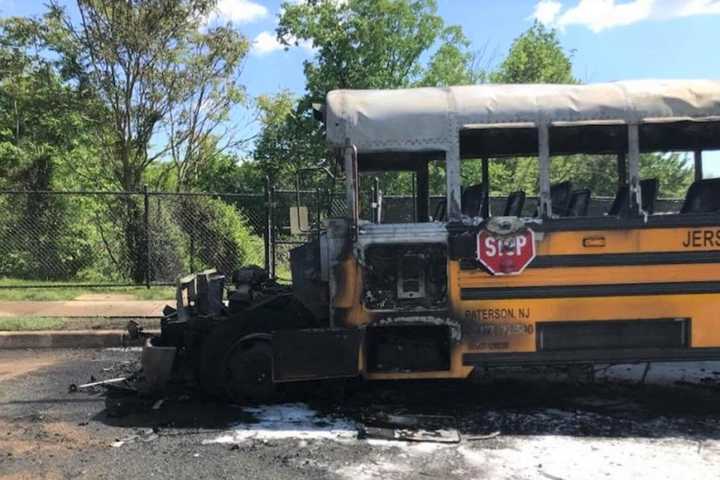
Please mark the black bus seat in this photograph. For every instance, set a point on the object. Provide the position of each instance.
(649, 190)
(440, 210)
(473, 198)
(579, 203)
(560, 198)
(703, 196)
(514, 204)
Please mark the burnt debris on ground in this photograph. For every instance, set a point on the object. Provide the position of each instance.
(451, 411)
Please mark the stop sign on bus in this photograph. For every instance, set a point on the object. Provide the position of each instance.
(506, 254)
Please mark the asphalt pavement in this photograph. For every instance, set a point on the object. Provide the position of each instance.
(528, 426)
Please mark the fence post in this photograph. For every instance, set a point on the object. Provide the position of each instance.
(318, 213)
(267, 237)
(146, 201)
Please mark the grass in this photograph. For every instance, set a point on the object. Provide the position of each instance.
(66, 291)
(16, 324)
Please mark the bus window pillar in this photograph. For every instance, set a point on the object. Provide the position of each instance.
(452, 172)
(486, 187)
(545, 205)
(698, 165)
(423, 192)
(351, 185)
(634, 168)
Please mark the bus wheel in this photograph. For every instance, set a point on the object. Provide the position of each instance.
(248, 372)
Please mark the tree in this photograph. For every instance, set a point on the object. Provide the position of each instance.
(44, 122)
(43, 130)
(358, 44)
(198, 121)
(150, 63)
(536, 56)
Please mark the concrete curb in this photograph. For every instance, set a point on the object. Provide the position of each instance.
(69, 339)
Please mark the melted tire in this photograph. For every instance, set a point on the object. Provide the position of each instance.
(215, 347)
(248, 370)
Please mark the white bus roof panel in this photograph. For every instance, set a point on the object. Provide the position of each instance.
(429, 118)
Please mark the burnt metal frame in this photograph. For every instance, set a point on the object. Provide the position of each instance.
(629, 160)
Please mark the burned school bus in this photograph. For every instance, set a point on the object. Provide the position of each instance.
(461, 286)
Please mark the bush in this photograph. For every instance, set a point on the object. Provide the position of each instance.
(218, 235)
(40, 238)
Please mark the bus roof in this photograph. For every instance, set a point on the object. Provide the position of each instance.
(429, 119)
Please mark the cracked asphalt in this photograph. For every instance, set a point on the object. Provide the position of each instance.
(549, 427)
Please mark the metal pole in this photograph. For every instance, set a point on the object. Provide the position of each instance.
(374, 205)
(268, 225)
(422, 181)
(146, 202)
(318, 199)
(351, 185)
(192, 248)
(452, 174)
(698, 165)
(486, 188)
(271, 229)
(414, 196)
(634, 168)
(545, 207)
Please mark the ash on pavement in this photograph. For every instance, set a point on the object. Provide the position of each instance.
(549, 427)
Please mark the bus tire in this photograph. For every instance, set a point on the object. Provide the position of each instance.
(248, 372)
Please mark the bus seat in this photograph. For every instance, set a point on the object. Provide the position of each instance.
(579, 203)
(703, 196)
(473, 198)
(514, 204)
(649, 188)
(440, 210)
(560, 198)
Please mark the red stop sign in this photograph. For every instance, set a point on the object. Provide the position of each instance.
(506, 254)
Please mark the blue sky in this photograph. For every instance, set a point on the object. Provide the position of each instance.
(611, 39)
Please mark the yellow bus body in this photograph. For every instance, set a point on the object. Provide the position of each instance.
(615, 268)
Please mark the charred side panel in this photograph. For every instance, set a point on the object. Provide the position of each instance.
(315, 354)
(613, 334)
(404, 276)
(408, 348)
(307, 282)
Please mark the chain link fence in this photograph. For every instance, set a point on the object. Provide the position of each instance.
(127, 238)
(150, 238)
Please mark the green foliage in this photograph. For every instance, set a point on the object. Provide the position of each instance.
(359, 44)
(40, 239)
(150, 65)
(218, 235)
(200, 114)
(536, 56)
(23, 324)
(291, 139)
(223, 173)
(453, 63)
(44, 126)
(673, 171)
(143, 66)
(371, 43)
